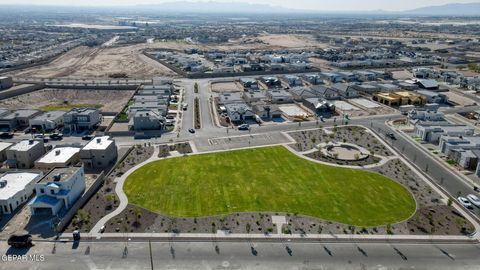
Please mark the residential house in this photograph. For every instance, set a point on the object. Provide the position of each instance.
(267, 111)
(431, 132)
(17, 119)
(145, 119)
(23, 154)
(345, 90)
(100, 152)
(58, 191)
(48, 120)
(16, 187)
(81, 119)
(238, 112)
(60, 156)
(279, 96)
(3, 150)
(433, 97)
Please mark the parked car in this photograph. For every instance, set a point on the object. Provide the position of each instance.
(465, 202)
(20, 240)
(244, 127)
(87, 137)
(76, 235)
(191, 130)
(39, 136)
(474, 200)
(6, 135)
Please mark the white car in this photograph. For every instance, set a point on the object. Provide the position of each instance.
(474, 200)
(463, 201)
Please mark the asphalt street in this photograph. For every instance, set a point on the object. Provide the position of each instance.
(243, 255)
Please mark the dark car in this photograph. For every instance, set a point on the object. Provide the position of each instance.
(191, 130)
(20, 240)
(6, 135)
(87, 137)
(56, 136)
(391, 136)
(76, 235)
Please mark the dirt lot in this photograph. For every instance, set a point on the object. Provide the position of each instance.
(85, 62)
(222, 87)
(292, 41)
(107, 100)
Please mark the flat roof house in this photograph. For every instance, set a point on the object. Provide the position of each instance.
(58, 190)
(279, 96)
(227, 98)
(23, 154)
(48, 121)
(100, 152)
(16, 188)
(59, 157)
(3, 150)
(432, 132)
(81, 119)
(433, 97)
(17, 119)
(145, 119)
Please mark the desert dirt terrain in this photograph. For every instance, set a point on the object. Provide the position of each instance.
(106, 100)
(86, 62)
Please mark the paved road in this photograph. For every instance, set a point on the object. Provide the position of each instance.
(443, 175)
(246, 255)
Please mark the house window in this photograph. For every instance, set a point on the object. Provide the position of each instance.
(42, 190)
(52, 191)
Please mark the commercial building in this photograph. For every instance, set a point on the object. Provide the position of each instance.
(23, 154)
(58, 190)
(99, 153)
(48, 121)
(59, 157)
(81, 119)
(16, 188)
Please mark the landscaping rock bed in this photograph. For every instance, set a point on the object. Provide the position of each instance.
(106, 200)
(433, 216)
(308, 139)
(182, 148)
(317, 155)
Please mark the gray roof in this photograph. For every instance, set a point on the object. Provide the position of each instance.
(21, 113)
(51, 115)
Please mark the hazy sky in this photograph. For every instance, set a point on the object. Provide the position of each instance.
(300, 4)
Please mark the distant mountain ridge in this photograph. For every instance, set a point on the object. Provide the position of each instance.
(454, 9)
(216, 7)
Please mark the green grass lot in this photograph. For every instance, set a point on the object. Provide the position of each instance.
(67, 106)
(268, 179)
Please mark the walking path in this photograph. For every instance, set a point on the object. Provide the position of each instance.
(94, 233)
(122, 197)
